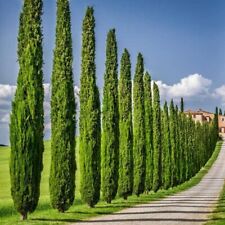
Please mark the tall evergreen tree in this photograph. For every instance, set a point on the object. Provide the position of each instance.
(62, 174)
(172, 123)
(110, 122)
(177, 135)
(182, 142)
(157, 146)
(90, 127)
(216, 125)
(27, 117)
(148, 131)
(125, 183)
(166, 146)
(220, 112)
(182, 105)
(139, 154)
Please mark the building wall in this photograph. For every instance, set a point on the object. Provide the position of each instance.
(200, 116)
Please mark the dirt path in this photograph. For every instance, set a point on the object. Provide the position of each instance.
(191, 207)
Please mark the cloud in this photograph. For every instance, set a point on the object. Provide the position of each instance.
(219, 93)
(194, 85)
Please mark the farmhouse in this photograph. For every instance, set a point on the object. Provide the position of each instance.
(201, 116)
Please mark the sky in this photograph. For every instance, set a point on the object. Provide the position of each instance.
(182, 41)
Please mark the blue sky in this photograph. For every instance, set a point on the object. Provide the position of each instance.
(182, 41)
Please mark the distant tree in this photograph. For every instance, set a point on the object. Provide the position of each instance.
(148, 132)
(139, 154)
(62, 174)
(177, 137)
(90, 127)
(172, 125)
(110, 122)
(182, 118)
(125, 128)
(182, 105)
(216, 125)
(27, 117)
(166, 149)
(220, 112)
(157, 146)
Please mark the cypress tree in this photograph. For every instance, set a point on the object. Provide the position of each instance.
(27, 117)
(156, 139)
(139, 154)
(177, 135)
(125, 183)
(182, 105)
(182, 142)
(216, 125)
(110, 122)
(90, 127)
(62, 173)
(220, 112)
(148, 131)
(172, 123)
(166, 154)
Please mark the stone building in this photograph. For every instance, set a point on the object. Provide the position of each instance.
(204, 116)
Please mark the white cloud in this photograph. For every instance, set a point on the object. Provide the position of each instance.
(6, 91)
(219, 93)
(194, 85)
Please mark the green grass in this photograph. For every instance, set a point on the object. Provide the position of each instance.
(79, 211)
(218, 216)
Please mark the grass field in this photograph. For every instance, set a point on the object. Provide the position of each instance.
(79, 211)
(218, 216)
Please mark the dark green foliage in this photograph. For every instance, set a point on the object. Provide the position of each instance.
(125, 183)
(110, 122)
(27, 117)
(139, 154)
(216, 124)
(157, 145)
(181, 128)
(62, 174)
(148, 132)
(220, 112)
(90, 127)
(182, 105)
(172, 124)
(178, 147)
(166, 149)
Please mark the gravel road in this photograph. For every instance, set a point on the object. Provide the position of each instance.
(189, 207)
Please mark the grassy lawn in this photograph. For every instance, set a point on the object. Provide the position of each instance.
(218, 216)
(79, 211)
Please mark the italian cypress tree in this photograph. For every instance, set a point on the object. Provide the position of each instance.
(148, 131)
(125, 183)
(182, 105)
(166, 154)
(27, 117)
(172, 124)
(157, 179)
(62, 173)
(110, 122)
(216, 125)
(220, 112)
(139, 154)
(182, 142)
(177, 128)
(90, 127)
